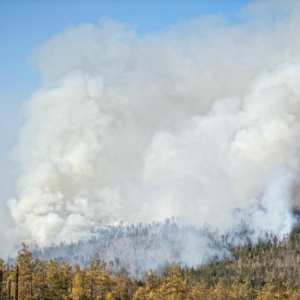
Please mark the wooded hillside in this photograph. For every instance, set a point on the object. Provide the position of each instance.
(268, 269)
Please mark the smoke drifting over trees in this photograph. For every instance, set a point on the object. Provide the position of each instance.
(200, 122)
(139, 248)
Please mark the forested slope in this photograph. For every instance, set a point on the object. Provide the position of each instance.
(141, 247)
(266, 269)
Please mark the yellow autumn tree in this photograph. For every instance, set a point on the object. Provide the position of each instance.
(24, 264)
(39, 279)
(275, 288)
(58, 280)
(3, 275)
(174, 287)
(109, 296)
(197, 290)
(141, 294)
(98, 279)
(79, 288)
(220, 292)
(120, 286)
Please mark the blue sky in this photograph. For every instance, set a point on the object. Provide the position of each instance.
(25, 25)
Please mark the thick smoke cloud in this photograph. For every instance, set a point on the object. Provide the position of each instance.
(201, 123)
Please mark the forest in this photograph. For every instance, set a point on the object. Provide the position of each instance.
(265, 268)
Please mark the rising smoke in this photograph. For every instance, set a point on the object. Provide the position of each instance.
(200, 123)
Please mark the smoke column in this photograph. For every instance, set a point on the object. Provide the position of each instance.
(200, 122)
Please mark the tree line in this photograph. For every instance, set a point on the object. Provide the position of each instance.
(266, 269)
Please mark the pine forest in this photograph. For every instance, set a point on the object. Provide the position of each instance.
(265, 268)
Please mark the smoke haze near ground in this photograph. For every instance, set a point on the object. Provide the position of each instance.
(200, 122)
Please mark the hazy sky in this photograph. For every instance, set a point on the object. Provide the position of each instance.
(25, 25)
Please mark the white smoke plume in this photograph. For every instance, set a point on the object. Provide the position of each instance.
(200, 122)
